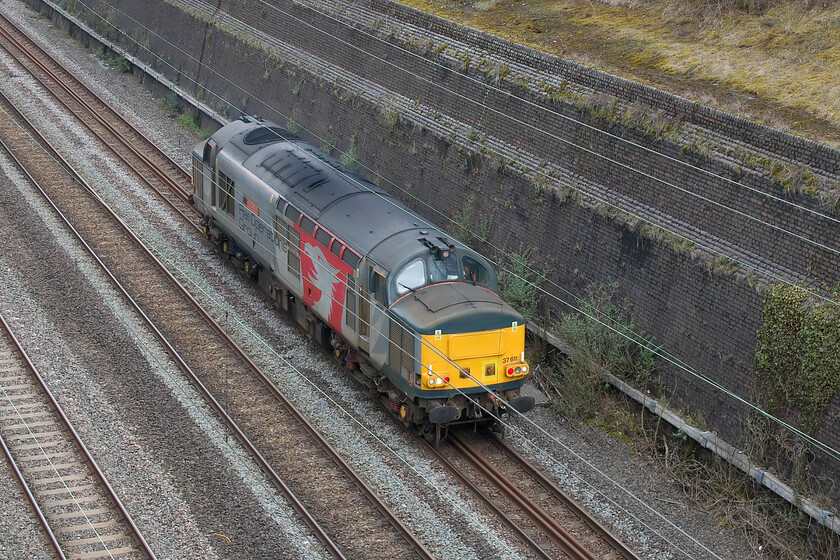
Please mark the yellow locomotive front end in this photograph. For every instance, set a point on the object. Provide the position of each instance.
(470, 356)
(467, 361)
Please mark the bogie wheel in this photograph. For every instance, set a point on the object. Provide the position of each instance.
(498, 429)
(433, 433)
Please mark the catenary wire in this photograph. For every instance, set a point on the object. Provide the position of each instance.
(468, 141)
(638, 339)
(58, 474)
(527, 102)
(551, 458)
(97, 14)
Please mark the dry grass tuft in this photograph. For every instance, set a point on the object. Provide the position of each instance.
(772, 61)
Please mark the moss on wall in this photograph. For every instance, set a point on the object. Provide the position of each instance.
(797, 360)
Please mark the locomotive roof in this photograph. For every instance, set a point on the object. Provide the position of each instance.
(353, 209)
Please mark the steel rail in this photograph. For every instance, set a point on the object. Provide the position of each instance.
(320, 533)
(112, 494)
(70, 84)
(32, 501)
(562, 538)
(582, 514)
(505, 519)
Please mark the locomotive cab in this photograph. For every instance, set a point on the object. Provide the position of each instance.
(467, 338)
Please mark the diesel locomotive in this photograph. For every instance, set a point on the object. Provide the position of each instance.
(413, 314)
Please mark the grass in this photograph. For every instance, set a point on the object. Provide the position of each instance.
(771, 62)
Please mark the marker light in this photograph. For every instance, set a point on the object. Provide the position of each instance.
(524, 369)
(510, 371)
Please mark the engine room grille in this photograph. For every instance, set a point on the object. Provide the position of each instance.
(401, 355)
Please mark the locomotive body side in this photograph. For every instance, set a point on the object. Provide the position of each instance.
(414, 316)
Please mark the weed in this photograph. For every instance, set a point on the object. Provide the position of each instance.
(603, 105)
(328, 146)
(392, 116)
(471, 225)
(350, 157)
(296, 88)
(114, 60)
(518, 282)
(171, 102)
(502, 72)
(597, 348)
(189, 121)
(438, 48)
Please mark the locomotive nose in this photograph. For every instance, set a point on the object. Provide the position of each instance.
(455, 307)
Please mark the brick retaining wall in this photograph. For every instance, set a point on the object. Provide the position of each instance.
(707, 318)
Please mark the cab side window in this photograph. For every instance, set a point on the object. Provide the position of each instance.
(198, 178)
(377, 288)
(474, 271)
(227, 194)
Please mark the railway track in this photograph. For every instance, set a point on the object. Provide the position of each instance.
(120, 137)
(550, 523)
(81, 514)
(340, 509)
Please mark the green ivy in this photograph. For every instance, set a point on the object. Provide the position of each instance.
(797, 360)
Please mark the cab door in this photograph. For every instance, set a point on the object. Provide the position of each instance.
(377, 299)
(211, 150)
(364, 308)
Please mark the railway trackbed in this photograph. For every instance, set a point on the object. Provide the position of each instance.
(550, 523)
(150, 163)
(81, 514)
(340, 509)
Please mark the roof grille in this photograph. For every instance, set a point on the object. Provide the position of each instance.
(293, 170)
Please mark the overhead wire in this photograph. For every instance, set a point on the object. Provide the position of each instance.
(255, 336)
(316, 136)
(632, 336)
(657, 351)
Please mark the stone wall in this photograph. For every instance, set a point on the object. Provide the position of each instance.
(422, 143)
